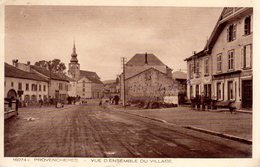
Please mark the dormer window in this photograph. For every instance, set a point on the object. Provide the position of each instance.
(231, 32)
(247, 25)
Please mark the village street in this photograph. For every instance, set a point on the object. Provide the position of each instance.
(101, 131)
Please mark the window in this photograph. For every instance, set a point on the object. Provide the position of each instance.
(207, 90)
(12, 84)
(230, 90)
(44, 88)
(219, 63)
(206, 66)
(231, 32)
(219, 91)
(32, 87)
(27, 87)
(247, 56)
(40, 87)
(83, 89)
(60, 86)
(19, 86)
(197, 67)
(191, 70)
(231, 60)
(35, 87)
(247, 25)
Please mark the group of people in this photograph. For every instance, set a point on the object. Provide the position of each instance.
(114, 100)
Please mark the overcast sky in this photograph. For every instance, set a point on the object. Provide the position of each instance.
(105, 34)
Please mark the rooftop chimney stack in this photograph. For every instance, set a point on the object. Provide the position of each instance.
(146, 61)
(28, 63)
(15, 62)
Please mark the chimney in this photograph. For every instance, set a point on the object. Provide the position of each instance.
(28, 63)
(145, 58)
(15, 62)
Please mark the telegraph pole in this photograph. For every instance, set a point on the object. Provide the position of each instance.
(123, 60)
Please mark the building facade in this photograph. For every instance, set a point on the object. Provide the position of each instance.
(28, 87)
(229, 50)
(199, 78)
(58, 83)
(146, 78)
(150, 85)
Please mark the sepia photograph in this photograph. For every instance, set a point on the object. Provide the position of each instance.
(128, 82)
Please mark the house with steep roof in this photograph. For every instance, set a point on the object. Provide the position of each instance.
(24, 84)
(147, 78)
(143, 61)
(225, 63)
(88, 84)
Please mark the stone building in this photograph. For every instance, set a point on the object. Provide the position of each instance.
(148, 79)
(229, 50)
(58, 83)
(24, 84)
(88, 84)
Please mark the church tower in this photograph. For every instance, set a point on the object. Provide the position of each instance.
(74, 67)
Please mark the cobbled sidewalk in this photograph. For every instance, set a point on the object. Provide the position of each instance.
(223, 122)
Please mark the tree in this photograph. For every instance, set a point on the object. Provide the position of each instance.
(54, 65)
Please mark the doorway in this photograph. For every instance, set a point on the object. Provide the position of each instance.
(247, 94)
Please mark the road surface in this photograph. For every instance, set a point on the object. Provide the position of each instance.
(95, 131)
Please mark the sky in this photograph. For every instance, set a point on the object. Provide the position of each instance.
(104, 34)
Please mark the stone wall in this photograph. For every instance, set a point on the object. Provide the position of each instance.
(150, 85)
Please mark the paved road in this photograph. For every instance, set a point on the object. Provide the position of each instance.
(94, 131)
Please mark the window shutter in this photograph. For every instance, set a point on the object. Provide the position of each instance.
(242, 57)
(234, 31)
(223, 90)
(251, 55)
(245, 26)
(228, 34)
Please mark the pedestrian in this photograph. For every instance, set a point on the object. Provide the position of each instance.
(100, 103)
(41, 102)
(116, 99)
(232, 107)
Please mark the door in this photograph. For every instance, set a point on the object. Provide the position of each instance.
(247, 94)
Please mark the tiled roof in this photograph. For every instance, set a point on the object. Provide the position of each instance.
(139, 60)
(68, 78)
(92, 76)
(179, 75)
(149, 69)
(11, 71)
(45, 72)
(109, 81)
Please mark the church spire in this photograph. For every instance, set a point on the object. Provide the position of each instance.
(74, 47)
(74, 54)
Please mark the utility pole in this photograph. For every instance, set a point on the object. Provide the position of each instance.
(123, 60)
